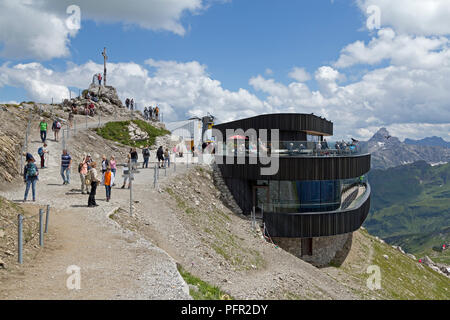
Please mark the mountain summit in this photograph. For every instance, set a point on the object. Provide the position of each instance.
(388, 151)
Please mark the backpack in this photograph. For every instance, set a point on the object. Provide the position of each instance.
(146, 152)
(31, 171)
(41, 151)
(58, 125)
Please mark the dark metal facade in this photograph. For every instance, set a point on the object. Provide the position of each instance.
(322, 224)
(300, 168)
(283, 122)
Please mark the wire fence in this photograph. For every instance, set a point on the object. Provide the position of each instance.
(42, 229)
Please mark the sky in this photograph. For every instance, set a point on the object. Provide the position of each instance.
(363, 64)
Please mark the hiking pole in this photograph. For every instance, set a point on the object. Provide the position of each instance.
(86, 119)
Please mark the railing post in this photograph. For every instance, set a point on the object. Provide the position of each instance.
(131, 191)
(20, 239)
(46, 218)
(41, 227)
(86, 117)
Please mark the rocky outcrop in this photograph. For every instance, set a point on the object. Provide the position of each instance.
(226, 195)
(136, 133)
(104, 98)
(438, 267)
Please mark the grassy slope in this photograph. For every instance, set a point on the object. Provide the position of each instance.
(204, 291)
(411, 206)
(118, 131)
(401, 277)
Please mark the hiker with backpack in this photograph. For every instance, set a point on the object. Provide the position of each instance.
(43, 128)
(146, 155)
(30, 177)
(127, 103)
(66, 162)
(167, 158)
(132, 104)
(99, 77)
(42, 151)
(150, 111)
(56, 126)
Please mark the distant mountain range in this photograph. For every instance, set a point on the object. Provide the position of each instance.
(411, 206)
(388, 151)
(431, 141)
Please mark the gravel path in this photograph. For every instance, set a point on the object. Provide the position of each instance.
(114, 263)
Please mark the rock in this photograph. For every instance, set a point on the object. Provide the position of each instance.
(2, 264)
(193, 288)
(411, 256)
(386, 256)
(2, 233)
(427, 261)
(9, 253)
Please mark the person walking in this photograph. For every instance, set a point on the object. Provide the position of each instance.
(108, 181)
(66, 162)
(134, 158)
(43, 128)
(113, 165)
(83, 171)
(105, 164)
(132, 104)
(93, 175)
(127, 103)
(99, 77)
(42, 151)
(126, 172)
(56, 126)
(160, 156)
(166, 158)
(30, 177)
(146, 155)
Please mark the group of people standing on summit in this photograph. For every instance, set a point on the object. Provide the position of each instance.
(151, 113)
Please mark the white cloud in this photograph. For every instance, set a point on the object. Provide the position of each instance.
(411, 51)
(37, 28)
(300, 74)
(181, 89)
(415, 101)
(419, 17)
(27, 31)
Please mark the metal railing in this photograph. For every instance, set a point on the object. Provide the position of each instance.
(294, 149)
(43, 229)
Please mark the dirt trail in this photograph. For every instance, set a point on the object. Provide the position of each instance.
(115, 264)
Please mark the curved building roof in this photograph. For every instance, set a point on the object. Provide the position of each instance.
(308, 123)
